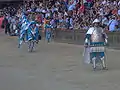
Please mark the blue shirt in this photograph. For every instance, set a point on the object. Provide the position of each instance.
(112, 25)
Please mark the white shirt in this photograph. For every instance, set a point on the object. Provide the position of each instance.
(38, 10)
(105, 21)
(119, 3)
(47, 15)
(104, 2)
(115, 3)
(43, 11)
(118, 12)
(65, 14)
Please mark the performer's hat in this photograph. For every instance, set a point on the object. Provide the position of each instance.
(96, 21)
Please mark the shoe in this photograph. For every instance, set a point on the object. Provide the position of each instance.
(37, 42)
(94, 69)
(29, 50)
(18, 46)
(104, 68)
(26, 41)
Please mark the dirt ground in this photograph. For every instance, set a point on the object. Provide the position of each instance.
(54, 66)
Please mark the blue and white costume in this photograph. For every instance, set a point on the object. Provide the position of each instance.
(33, 32)
(23, 32)
(95, 42)
(48, 32)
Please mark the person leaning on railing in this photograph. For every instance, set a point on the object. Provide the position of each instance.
(118, 26)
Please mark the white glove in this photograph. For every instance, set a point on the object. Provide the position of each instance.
(106, 41)
(86, 40)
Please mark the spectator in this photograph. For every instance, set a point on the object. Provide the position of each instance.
(69, 13)
(112, 24)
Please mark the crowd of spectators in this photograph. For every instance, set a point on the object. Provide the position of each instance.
(70, 14)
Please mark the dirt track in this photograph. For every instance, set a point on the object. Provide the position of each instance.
(54, 66)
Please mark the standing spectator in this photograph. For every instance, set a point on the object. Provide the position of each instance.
(7, 25)
(118, 28)
(119, 10)
(112, 24)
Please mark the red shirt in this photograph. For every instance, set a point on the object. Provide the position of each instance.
(1, 20)
(39, 18)
(82, 9)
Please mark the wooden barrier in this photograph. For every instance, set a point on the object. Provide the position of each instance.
(77, 37)
(114, 39)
